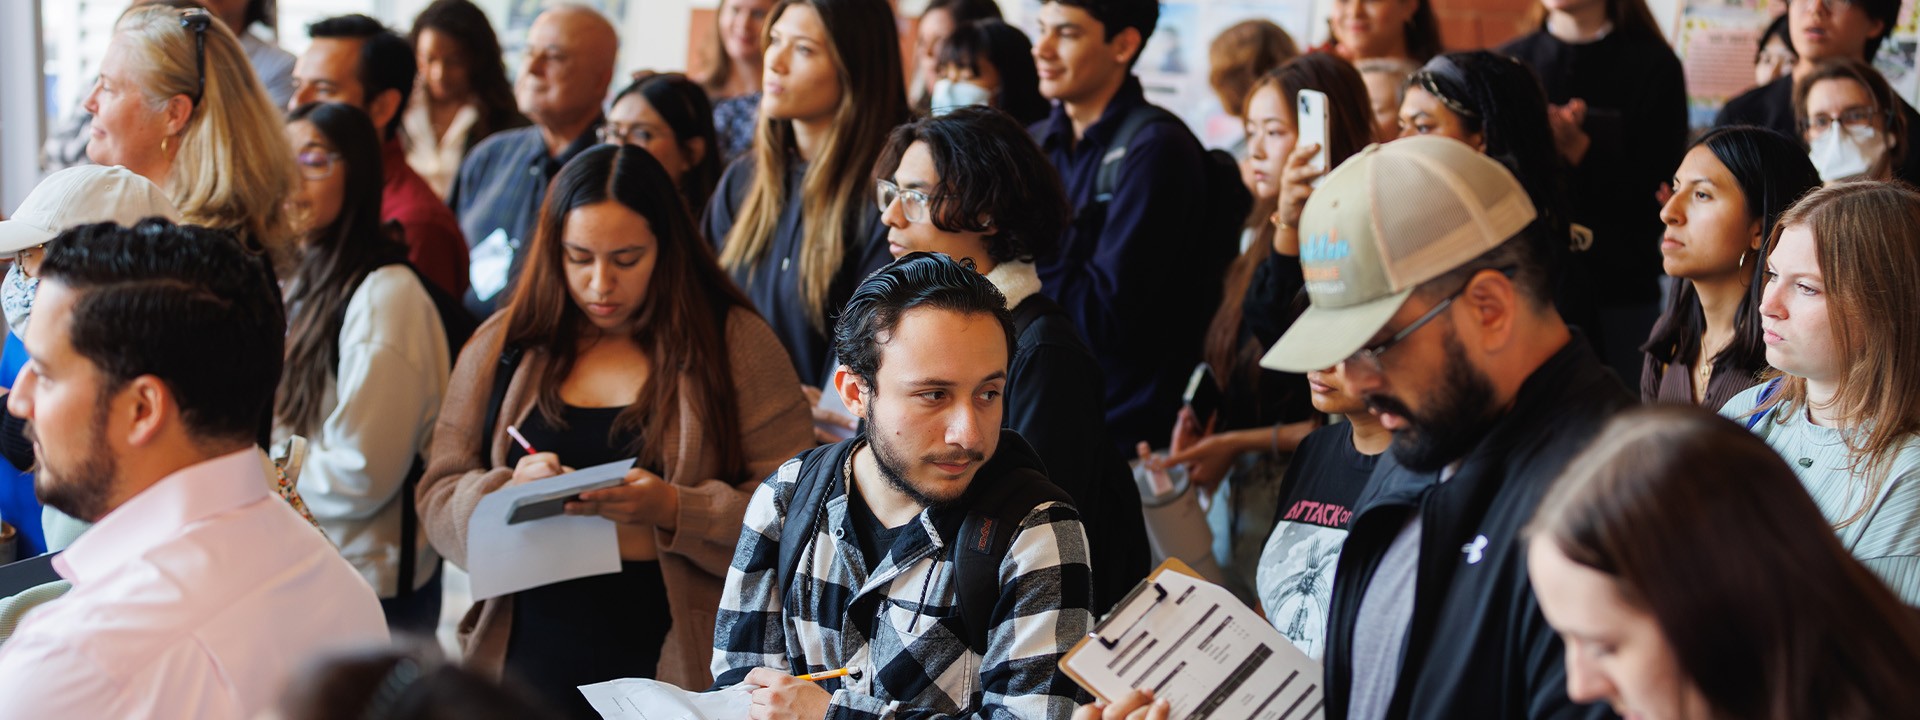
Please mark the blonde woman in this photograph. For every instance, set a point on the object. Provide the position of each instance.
(794, 221)
(1843, 402)
(178, 103)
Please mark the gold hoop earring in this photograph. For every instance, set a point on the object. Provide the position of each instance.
(163, 146)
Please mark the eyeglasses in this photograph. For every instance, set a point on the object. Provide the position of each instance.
(624, 134)
(198, 21)
(913, 203)
(316, 164)
(1368, 358)
(20, 260)
(1853, 117)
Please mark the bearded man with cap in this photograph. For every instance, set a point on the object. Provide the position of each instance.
(1426, 287)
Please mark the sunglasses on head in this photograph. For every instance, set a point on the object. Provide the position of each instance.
(198, 21)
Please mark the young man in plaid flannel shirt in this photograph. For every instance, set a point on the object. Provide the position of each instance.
(925, 345)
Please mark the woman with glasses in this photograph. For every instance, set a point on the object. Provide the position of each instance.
(1851, 122)
(178, 103)
(669, 116)
(794, 222)
(1842, 404)
(366, 365)
(623, 342)
(972, 184)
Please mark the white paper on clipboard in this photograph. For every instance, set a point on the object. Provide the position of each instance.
(1199, 648)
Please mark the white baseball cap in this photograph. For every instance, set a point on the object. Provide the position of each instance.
(80, 196)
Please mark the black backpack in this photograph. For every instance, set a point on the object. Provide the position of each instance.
(1228, 201)
(459, 326)
(999, 506)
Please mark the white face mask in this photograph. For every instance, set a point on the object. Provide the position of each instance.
(1844, 152)
(948, 95)
(16, 298)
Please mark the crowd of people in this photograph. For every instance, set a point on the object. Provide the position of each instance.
(922, 360)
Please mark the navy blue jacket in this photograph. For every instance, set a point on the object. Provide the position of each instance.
(773, 283)
(1478, 646)
(1128, 277)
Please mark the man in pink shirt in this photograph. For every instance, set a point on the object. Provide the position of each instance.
(197, 593)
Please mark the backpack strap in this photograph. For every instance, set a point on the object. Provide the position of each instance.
(803, 512)
(1766, 393)
(982, 544)
(1026, 314)
(409, 529)
(1108, 178)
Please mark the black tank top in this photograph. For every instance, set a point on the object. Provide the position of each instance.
(590, 629)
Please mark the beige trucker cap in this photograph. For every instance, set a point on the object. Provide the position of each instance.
(1389, 218)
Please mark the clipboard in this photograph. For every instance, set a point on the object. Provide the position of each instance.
(1198, 647)
(1104, 631)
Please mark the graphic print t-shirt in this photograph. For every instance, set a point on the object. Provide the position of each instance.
(1316, 503)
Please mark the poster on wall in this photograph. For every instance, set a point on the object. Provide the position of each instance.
(1174, 66)
(1718, 40)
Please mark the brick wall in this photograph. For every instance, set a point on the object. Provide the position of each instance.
(1474, 24)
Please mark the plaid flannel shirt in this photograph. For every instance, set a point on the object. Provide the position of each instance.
(916, 664)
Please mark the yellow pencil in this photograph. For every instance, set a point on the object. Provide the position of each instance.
(830, 674)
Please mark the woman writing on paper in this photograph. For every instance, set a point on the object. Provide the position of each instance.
(624, 339)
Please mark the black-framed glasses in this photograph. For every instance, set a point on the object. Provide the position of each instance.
(198, 21)
(1368, 358)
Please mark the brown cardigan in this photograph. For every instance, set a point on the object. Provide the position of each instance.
(775, 424)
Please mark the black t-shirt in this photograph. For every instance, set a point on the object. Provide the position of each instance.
(873, 537)
(1295, 579)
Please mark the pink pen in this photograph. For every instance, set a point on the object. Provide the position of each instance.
(522, 439)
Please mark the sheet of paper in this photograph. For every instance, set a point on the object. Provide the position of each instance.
(830, 400)
(641, 699)
(504, 558)
(1200, 649)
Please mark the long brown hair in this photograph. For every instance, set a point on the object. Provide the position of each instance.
(1349, 129)
(1702, 525)
(837, 187)
(1867, 240)
(466, 24)
(681, 324)
(334, 261)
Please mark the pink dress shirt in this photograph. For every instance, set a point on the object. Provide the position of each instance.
(200, 597)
